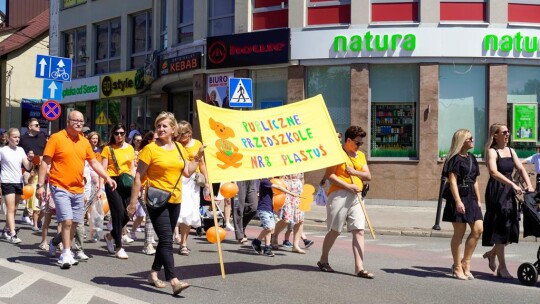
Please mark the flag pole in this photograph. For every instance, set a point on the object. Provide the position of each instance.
(214, 212)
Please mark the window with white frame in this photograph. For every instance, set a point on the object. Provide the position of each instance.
(220, 17)
(108, 47)
(141, 39)
(185, 21)
(75, 48)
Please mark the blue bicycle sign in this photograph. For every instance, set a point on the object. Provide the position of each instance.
(53, 68)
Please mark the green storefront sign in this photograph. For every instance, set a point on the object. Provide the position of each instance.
(524, 122)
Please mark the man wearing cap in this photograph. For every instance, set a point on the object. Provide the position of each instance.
(85, 130)
(535, 159)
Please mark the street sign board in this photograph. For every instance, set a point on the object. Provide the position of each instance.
(54, 68)
(52, 89)
(51, 110)
(240, 93)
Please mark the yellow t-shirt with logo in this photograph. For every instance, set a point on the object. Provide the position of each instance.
(124, 158)
(357, 163)
(164, 167)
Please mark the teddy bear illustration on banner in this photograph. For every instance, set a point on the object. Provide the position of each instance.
(227, 151)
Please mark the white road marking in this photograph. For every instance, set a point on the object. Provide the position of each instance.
(397, 245)
(81, 292)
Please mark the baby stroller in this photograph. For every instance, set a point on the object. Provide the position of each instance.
(528, 272)
(207, 216)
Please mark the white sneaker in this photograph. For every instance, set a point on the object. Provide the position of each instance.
(133, 235)
(81, 256)
(126, 239)
(121, 254)
(52, 249)
(5, 236)
(26, 220)
(72, 260)
(153, 242)
(14, 239)
(110, 243)
(229, 227)
(65, 261)
(149, 250)
(139, 229)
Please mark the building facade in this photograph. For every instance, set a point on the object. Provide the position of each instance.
(409, 72)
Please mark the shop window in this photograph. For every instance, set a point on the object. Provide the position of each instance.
(269, 14)
(163, 40)
(144, 111)
(75, 48)
(394, 11)
(220, 17)
(334, 83)
(182, 106)
(141, 45)
(108, 47)
(462, 105)
(110, 109)
(394, 100)
(322, 12)
(524, 11)
(270, 87)
(524, 89)
(463, 11)
(185, 21)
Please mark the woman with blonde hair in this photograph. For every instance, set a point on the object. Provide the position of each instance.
(160, 163)
(501, 220)
(191, 200)
(463, 206)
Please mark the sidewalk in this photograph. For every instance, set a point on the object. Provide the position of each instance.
(393, 218)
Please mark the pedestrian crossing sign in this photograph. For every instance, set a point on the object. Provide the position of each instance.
(240, 93)
(101, 119)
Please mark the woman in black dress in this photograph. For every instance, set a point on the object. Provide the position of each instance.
(464, 206)
(501, 221)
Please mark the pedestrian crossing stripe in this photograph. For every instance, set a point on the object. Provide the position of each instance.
(241, 93)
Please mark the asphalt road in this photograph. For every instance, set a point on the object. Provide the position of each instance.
(407, 269)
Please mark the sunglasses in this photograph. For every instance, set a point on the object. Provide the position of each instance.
(507, 132)
(119, 133)
(470, 138)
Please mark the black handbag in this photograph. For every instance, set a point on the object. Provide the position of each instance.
(156, 197)
(125, 180)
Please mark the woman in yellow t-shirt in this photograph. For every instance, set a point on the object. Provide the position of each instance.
(160, 163)
(191, 200)
(118, 198)
(343, 205)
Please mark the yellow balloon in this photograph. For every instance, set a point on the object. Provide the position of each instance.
(306, 198)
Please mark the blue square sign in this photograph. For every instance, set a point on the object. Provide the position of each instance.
(54, 68)
(240, 93)
(52, 89)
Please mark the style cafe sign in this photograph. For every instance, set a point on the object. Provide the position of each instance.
(247, 49)
(417, 42)
(294, 138)
(118, 84)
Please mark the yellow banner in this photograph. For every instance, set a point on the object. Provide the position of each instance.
(245, 145)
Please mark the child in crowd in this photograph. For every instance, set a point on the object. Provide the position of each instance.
(288, 244)
(265, 211)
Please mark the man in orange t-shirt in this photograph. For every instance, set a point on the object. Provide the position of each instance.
(66, 151)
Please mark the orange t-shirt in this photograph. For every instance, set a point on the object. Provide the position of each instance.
(357, 163)
(67, 160)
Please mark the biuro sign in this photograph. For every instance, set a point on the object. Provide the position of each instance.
(294, 138)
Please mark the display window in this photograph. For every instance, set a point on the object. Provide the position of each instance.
(523, 98)
(394, 99)
(106, 113)
(462, 105)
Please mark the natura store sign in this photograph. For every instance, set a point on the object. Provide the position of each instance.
(415, 42)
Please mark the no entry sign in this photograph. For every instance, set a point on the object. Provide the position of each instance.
(51, 110)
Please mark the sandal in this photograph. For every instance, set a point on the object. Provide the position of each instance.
(184, 251)
(365, 274)
(177, 289)
(243, 240)
(157, 282)
(325, 267)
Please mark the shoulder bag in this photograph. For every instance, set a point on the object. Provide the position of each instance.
(156, 197)
(125, 180)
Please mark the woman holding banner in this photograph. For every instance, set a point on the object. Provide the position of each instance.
(346, 184)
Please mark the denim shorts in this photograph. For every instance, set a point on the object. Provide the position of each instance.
(69, 206)
(267, 218)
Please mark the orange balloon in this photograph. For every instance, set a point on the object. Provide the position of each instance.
(105, 204)
(278, 182)
(211, 235)
(228, 190)
(27, 192)
(279, 201)
(306, 198)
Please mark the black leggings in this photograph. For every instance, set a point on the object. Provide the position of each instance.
(119, 215)
(164, 220)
